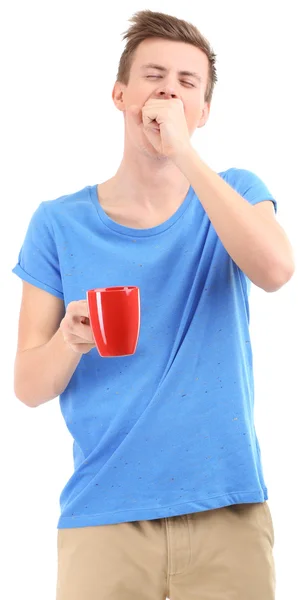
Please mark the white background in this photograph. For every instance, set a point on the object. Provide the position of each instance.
(61, 132)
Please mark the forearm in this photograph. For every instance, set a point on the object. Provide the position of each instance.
(258, 245)
(43, 373)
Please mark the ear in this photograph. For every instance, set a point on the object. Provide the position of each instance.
(118, 95)
(205, 115)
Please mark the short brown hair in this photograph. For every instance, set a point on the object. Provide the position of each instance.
(149, 24)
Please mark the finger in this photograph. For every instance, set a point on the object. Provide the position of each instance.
(73, 338)
(150, 123)
(79, 330)
(78, 308)
(83, 332)
(152, 118)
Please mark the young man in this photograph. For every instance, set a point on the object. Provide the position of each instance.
(168, 496)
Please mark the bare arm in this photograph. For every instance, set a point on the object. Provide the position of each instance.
(49, 348)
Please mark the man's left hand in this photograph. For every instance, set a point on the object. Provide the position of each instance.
(165, 126)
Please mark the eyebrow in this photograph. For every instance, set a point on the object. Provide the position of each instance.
(164, 70)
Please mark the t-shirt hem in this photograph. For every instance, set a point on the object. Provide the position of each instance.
(270, 198)
(17, 270)
(146, 514)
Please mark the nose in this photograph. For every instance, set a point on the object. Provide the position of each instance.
(166, 92)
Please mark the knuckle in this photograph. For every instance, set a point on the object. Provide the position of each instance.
(77, 307)
(67, 323)
(71, 308)
(63, 324)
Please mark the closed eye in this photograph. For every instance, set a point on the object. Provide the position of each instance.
(160, 77)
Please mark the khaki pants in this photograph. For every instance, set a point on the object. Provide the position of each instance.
(222, 554)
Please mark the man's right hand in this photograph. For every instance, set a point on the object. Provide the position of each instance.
(76, 329)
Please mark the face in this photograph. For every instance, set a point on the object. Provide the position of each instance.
(164, 69)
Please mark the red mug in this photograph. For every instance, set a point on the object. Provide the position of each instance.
(114, 314)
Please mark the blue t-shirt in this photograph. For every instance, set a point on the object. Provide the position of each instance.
(169, 430)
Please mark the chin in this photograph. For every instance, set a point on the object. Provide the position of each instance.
(152, 153)
(147, 149)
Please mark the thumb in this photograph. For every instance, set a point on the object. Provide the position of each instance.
(134, 112)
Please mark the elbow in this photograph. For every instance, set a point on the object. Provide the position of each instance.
(30, 396)
(22, 390)
(23, 397)
(282, 277)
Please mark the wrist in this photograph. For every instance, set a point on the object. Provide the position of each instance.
(187, 156)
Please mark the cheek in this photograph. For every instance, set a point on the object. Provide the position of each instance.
(193, 114)
(136, 95)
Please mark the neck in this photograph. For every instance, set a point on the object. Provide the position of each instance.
(149, 181)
